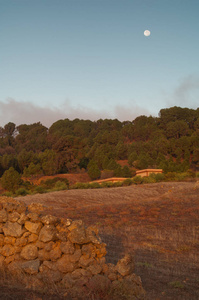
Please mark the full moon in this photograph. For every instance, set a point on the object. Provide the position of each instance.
(147, 32)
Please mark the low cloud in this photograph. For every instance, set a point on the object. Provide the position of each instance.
(129, 113)
(27, 113)
(20, 112)
(186, 93)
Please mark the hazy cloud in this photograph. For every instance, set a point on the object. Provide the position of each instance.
(20, 112)
(186, 90)
(27, 113)
(186, 93)
(129, 113)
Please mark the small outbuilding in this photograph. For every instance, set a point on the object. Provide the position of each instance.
(147, 172)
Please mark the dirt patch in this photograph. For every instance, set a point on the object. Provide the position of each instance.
(158, 222)
(72, 178)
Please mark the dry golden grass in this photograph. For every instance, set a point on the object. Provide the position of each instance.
(158, 222)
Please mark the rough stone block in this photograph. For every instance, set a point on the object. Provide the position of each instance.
(47, 233)
(33, 227)
(3, 215)
(7, 250)
(12, 229)
(29, 252)
(31, 266)
(67, 247)
(14, 216)
(64, 264)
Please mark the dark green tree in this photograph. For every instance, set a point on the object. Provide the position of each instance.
(176, 129)
(25, 158)
(9, 160)
(126, 172)
(121, 151)
(132, 158)
(9, 128)
(31, 137)
(93, 170)
(11, 180)
(48, 161)
(32, 170)
(112, 165)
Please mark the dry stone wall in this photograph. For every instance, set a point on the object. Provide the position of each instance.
(60, 251)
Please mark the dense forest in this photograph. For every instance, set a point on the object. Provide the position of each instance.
(169, 141)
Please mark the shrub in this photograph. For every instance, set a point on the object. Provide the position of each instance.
(50, 183)
(176, 284)
(170, 176)
(80, 185)
(191, 173)
(181, 176)
(39, 189)
(11, 180)
(21, 192)
(149, 179)
(8, 194)
(60, 186)
(107, 184)
(95, 185)
(144, 264)
(159, 177)
(117, 184)
(137, 180)
(127, 182)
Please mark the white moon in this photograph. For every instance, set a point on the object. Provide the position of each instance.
(147, 32)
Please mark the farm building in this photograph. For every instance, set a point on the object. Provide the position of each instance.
(147, 172)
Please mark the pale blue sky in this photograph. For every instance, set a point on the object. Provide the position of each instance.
(90, 58)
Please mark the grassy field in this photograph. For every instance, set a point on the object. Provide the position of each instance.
(157, 222)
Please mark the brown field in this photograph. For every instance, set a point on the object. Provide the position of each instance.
(157, 222)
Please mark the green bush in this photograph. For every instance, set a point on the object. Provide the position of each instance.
(80, 185)
(176, 284)
(152, 178)
(181, 176)
(144, 264)
(94, 185)
(107, 184)
(60, 186)
(137, 180)
(8, 194)
(39, 190)
(21, 192)
(178, 176)
(170, 176)
(117, 184)
(149, 179)
(159, 177)
(191, 173)
(127, 182)
(27, 185)
(50, 183)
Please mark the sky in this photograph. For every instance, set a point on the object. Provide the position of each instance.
(90, 59)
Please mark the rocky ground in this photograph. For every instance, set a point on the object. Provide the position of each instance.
(158, 223)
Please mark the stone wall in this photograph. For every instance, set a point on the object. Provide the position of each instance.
(59, 251)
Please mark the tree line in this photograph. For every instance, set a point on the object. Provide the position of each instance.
(169, 141)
